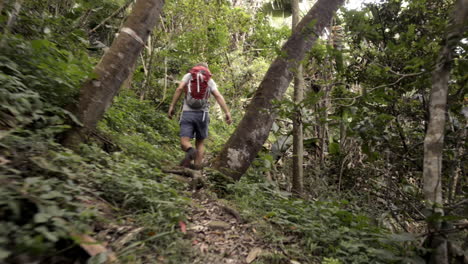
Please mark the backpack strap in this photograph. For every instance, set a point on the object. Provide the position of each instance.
(188, 85)
(208, 91)
(199, 76)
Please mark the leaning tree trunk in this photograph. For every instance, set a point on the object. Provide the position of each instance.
(298, 137)
(97, 93)
(434, 140)
(2, 3)
(11, 20)
(253, 130)
(13, 16)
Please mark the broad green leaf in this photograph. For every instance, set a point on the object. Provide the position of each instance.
(334, 148)
(98, 258)
(41, 218)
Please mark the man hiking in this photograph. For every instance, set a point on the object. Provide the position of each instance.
(197, 86)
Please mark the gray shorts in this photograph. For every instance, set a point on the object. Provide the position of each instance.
(194, 124)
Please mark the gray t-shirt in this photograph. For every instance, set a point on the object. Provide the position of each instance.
(211, 86)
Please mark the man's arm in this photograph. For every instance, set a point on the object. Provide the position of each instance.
(220, 99)
(178, 92)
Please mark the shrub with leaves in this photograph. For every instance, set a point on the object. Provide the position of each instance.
(37, 212)
(140, 129)
(332, 229)
(55, 73)
(145, 195)
(44, 184)
(39, 198)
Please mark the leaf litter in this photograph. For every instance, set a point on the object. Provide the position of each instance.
(218, 234)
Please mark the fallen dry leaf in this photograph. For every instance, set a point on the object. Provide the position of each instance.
(127, 237)
(204, 247)
(92, 247)
(196, 228)
(253, 254)
(183, 227)
(3, 160)
(232, 242)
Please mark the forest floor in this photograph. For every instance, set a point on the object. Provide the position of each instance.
(218, 233)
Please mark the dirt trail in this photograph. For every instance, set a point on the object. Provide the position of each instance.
(219, 235)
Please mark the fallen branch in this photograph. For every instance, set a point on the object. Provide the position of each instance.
(179, 178)
(455, 206)
(127, 237)
(231, 211)
(183, 171)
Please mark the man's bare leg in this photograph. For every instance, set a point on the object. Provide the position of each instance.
(199, 143)
(185, 143)
(190, 152)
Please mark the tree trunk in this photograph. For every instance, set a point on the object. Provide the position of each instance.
(323, 110)
(127, 84)
(114, 68)
(13, 15)
(11, 20)
(298, 137)
(253, 130)
(2, 3)
(434, 140)
(149, 69)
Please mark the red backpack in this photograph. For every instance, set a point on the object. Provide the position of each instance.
(196, 90)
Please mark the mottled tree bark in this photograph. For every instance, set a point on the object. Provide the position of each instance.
(298, 137)
(434, 140)
(253, 130)
(2, 3)
(11, 20)
(114, 68)
(13, 15)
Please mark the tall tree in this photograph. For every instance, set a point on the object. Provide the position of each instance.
(2, 3)
(298, 137)
(253, 130)
(434, 140)
(114, 68)
(13, 15)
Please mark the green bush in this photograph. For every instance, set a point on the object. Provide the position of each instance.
(331, 229)
(140, 130)
(36, 212)
(55, 73)
(39, 196)
(144, 194)
(43, 184)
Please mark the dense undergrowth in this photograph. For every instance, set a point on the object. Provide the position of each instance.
(49, 194)
(323, 231)
(45, 188)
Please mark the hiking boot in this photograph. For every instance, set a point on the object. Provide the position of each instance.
(201, 166)
(189, 156)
